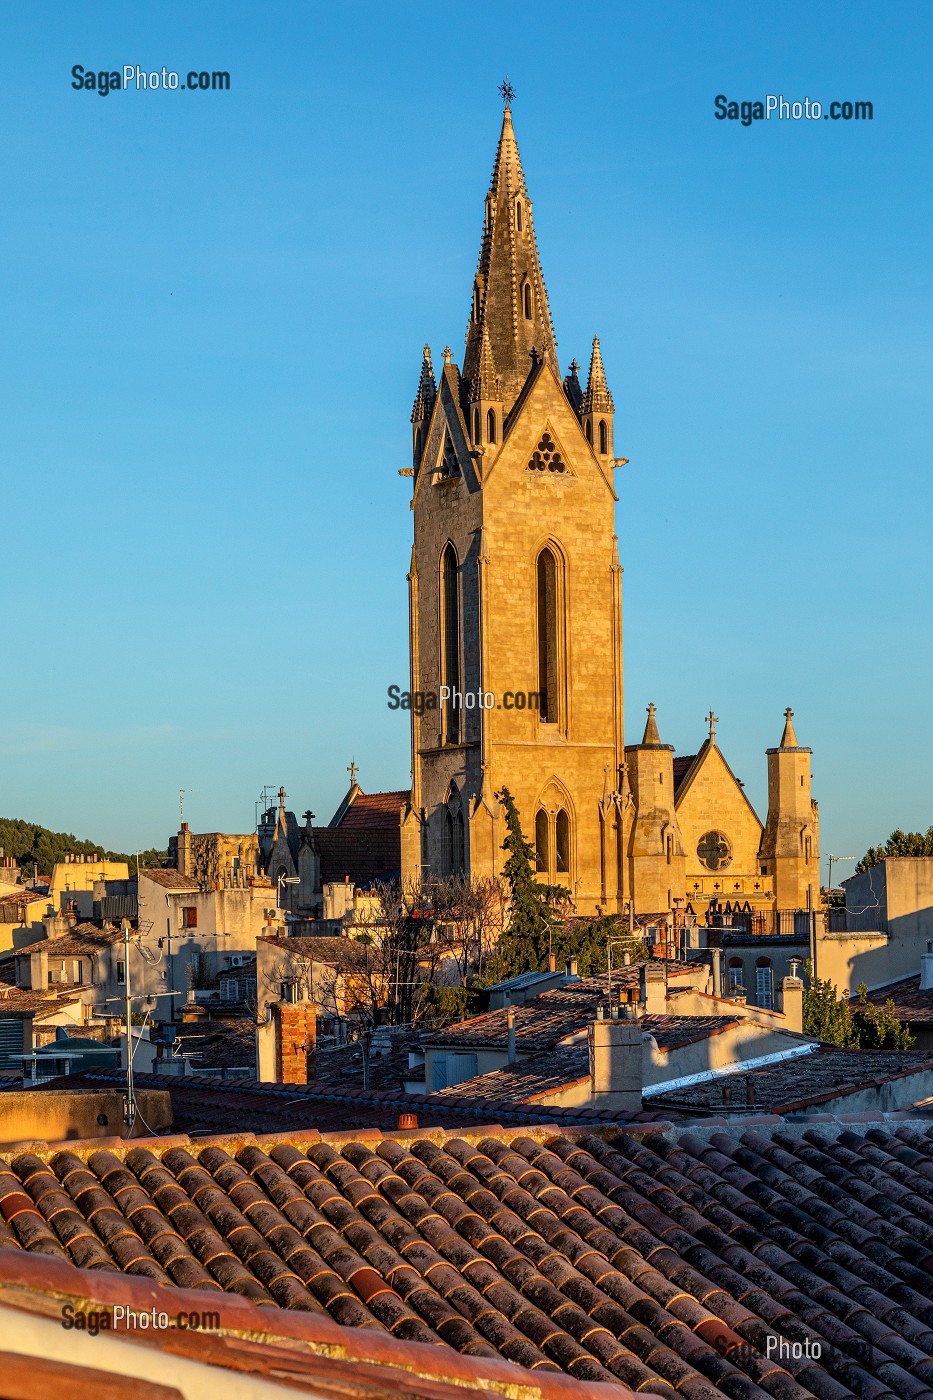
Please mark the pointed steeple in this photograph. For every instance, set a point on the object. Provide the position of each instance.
(509, 296)
(789, 738)
(597, 398)
(651, 728)
(427, 390)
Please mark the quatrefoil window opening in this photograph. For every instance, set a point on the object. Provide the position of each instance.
(714, 850)
(546, 456)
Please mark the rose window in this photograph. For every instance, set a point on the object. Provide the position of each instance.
(714, 851)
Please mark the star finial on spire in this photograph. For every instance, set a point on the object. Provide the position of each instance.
(447, 354)
(712, 720)
(506, 92)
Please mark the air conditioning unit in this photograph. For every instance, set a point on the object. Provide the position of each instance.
(237, 959)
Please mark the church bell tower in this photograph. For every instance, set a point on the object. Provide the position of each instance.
(515, 584)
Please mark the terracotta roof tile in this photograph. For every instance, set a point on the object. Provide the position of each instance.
(171, 879)
(670, 1262)
(546, 1019)
(826, 1074)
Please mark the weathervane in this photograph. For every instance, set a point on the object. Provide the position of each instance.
(506, 92)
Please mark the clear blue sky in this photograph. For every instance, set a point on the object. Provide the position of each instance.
(214, 306)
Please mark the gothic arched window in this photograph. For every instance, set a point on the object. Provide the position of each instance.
(562, 842)
(548, 663)
(518, 215)
(603, 437)
(491, 426)
(542, 842)
(447, 842)
(589, 432)
(476, 425)
(475, 301)
(459, 861)
(450, 643)
(418, 445)
(526, 300)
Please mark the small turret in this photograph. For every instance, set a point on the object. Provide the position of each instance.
(597, 408)
(790, 842)
(423, 407)
(655, 850)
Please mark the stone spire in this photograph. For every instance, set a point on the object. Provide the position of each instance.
(597, 398)
(651, 729)
(789, 738)
(485, 384)
(427, 390)
(509, 297)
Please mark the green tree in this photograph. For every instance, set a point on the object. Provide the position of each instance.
(827, 1015)
(899, 843)
(34, 845)
(877, 1026)
(535, 909)
(588, 940)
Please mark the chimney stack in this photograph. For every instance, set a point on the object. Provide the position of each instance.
(511, 1025)
(653, 980)
(926, 971)
(616, 1073)
(716, 956)
(791, 1003)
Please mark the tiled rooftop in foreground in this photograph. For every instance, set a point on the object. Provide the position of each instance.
(698, 1262)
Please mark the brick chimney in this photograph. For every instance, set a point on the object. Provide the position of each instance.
(295, 1028)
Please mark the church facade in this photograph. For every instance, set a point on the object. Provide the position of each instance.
(515, 606)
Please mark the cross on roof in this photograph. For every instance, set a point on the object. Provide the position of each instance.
(788, 713)
(506, 92)
(713, 721)
(352, 770)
